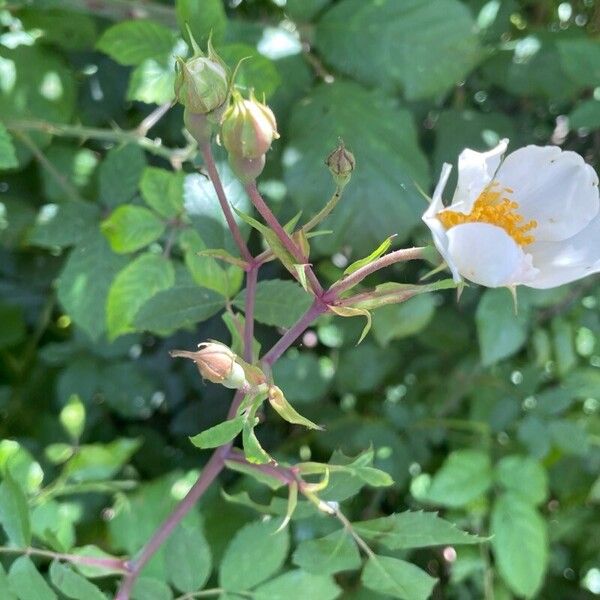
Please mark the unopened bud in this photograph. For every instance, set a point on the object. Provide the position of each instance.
(246, 169)
(217, 363)
(341, 163)
(202, 82)
(248, 128)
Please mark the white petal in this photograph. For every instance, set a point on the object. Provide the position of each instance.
(555, 188)
(487, 255)
(438, 232)
(568, 260)
(475, 171)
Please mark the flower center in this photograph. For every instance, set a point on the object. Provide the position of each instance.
(494, 206)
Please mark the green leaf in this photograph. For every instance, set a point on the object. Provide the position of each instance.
(95, 462)
(298, 585)
(524, 477)
(207, 271)
(162, 191)
(26, 582)
(381, 249)
(13, 329)
(397, 578)
(397, 321)
(188, 559)
(257, 72)
(520, 544)
(204, 19)
(153, 81)
(120, 174)
(279, 303)
(287, 412)
(148, 588)
(424, 47)
(8, 157)
(586, 114)
(61, 225)
(84, 283)
(328, 555)
(464, 476)
(219, 434)
(382, 199)
(14, 512)
(569, 436)
(253, 451)
(500, 331)
(176, 308)
(130, 228)
(131, 42)
(5, 590)
(580, 58)
(139, 281)
(242, 569)
(413, 530)
(73, 585)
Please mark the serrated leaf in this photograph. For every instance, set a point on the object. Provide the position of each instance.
(73, 585)
(413, 530)
(464, 476)
(278, 303)
(130, 228)
(85, 281)
(14, 512)
(219, 434)
(241, 569)
(520, 543)
(120, 173)
(188, 559)
(500, 331)
(8, 157)
(397, 578)
(131, 42)
(328, 555)
(381, 249)
(139, 281)
(176, 308)
(298, 585)
(424, 47)
(153, 81)
(523, 476)
(26, 582)
(162, 191)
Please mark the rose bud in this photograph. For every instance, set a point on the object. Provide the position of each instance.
(217, 363)
(248, 128)
(202, 82)
(341, 163)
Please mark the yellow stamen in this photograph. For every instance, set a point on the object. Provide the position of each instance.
(493, 206)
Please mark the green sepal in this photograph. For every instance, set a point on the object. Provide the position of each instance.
(380, 250)
(286, 411)
(354, 311)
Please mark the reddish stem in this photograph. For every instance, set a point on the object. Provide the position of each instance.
(231, 223)
(251, 279)
(284, 237)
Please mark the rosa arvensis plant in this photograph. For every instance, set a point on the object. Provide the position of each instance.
(531, 218)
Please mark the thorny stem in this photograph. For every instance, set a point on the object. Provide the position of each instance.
(284, 237)
(385, 261)
(90, 561)
(175, 156)
(231, 223)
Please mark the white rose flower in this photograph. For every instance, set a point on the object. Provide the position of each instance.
(531, 219)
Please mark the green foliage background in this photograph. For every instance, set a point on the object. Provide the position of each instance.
(489, 417)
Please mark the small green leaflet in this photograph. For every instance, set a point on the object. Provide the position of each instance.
(286, 411)
(380, 250)
(219, 434)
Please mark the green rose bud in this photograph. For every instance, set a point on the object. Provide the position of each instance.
(202, 82)
(341, 163)
(248, 128)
